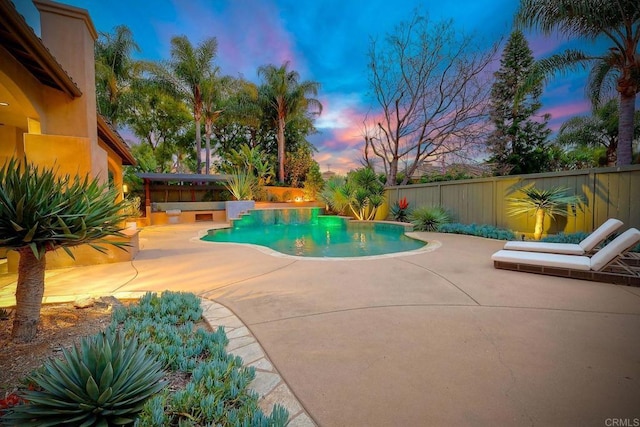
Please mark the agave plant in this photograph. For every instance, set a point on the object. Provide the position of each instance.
(428, 218)
(540, 202)
(104, 381)
(40, 212)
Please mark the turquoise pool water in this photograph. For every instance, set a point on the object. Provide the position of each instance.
(322, 236)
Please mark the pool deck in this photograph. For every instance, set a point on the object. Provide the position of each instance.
(432, 338)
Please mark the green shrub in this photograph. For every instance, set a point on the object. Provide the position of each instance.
(488, 231)
(565, 238)
(428, 218)
(104, 381)
(217, 393)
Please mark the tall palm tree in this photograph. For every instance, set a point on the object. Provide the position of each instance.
(184, 75)
(286, 97)
(41, 212)
(619, 67)
(598, 130)
(115, 70)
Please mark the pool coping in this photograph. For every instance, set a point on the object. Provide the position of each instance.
(431, 245)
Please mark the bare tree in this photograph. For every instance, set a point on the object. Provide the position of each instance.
(433, 90)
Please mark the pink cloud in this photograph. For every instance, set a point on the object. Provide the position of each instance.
(245, 41)
(568, 110)
(543, 46)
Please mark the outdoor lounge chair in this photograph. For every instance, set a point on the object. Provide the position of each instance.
(584, 247)
(606, 265)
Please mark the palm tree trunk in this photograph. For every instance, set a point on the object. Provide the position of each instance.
(29, 294)
(281, 125)
(625, 129)
(537, 233)
(207, 149)
(198, 146)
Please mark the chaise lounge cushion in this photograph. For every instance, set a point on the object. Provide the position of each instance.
(552, 248)
(597, 262)
(542, 259)
(615, 248)
(585, 246)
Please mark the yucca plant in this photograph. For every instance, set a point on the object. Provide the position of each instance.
(41, 212)
(541, 202)
(104, 381)
(428, 218)
(241, 185)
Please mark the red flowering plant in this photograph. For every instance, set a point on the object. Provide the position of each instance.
(9, 402)
(400, 210)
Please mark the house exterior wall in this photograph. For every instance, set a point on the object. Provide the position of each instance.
(53, 128)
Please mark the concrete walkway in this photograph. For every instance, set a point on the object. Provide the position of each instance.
(432, 338)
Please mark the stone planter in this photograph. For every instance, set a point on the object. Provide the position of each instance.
(234, 208)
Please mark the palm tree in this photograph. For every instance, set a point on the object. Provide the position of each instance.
(619, 67)
(115, 70)
(40, 212)
(598, 130)
(286, 97)
(184, 75)
(540, 203)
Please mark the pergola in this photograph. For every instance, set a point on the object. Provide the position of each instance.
(192, 180)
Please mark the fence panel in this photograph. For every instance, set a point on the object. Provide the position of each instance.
(607, 193)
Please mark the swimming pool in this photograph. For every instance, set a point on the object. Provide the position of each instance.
(317, 235)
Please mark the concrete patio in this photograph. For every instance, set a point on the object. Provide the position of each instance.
(432, 338)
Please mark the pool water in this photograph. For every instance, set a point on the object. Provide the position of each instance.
(324, 239)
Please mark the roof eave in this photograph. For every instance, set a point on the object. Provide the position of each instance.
(37, 52)
(113, 139)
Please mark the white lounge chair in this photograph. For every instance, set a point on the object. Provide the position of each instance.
(584, 247)
(604, 266)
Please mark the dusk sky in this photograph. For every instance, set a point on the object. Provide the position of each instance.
(325, 41)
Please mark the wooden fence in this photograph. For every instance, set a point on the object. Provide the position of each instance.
(607, 193)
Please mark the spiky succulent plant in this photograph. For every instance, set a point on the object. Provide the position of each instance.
(104, 381)
(428, 218)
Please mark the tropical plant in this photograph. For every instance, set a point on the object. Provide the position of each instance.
(40, 212)
(115, 72)
(332, 195)
(159, 120)
(400, 210)
(429, 218)
(285, 98)
(617, 21)
(253, 161)
(595, 131)
(313, 182)
(103, 381)
(241, 185)
(364, 192)
(190, 66)
(543, 202)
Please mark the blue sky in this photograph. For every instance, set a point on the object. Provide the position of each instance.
(325, 41)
